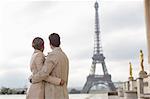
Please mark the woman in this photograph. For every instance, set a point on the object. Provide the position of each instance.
(36, 90)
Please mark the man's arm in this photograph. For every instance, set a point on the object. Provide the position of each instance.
(49, 64)
(55, 80)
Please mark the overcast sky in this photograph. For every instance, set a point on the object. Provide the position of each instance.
(122, 25)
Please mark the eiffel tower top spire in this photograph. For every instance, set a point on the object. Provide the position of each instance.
(96, 4)
(97, 44)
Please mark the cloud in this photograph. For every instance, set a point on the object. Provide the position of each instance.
(120, 45)
(121, 15)
(11, 79)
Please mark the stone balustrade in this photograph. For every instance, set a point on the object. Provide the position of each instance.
(135, 89)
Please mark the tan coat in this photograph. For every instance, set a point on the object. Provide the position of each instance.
(57, 65)
(36, 91)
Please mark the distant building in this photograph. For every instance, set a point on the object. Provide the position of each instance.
(118, 84)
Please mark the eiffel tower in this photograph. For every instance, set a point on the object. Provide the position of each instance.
(98, 57)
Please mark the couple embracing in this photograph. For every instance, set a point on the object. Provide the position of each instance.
(49, 75)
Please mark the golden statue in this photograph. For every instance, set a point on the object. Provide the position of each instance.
(142, 73)
(141, 60)
(131, 75)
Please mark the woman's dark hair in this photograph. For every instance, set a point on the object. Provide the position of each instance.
(38, 43)
(54, 39)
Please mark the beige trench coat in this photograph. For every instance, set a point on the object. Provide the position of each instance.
(57, 65)
(36, 91)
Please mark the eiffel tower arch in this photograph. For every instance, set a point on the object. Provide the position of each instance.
(98, 58)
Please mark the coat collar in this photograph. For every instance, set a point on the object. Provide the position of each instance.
(37, 51)
(57, 49)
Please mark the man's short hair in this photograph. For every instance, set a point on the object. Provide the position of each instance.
(37, 43)
(54, 39)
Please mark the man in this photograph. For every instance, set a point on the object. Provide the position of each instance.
(56, 65)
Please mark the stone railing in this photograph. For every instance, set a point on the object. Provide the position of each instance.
(136, 89)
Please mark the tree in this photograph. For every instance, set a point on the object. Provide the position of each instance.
(4, 90)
